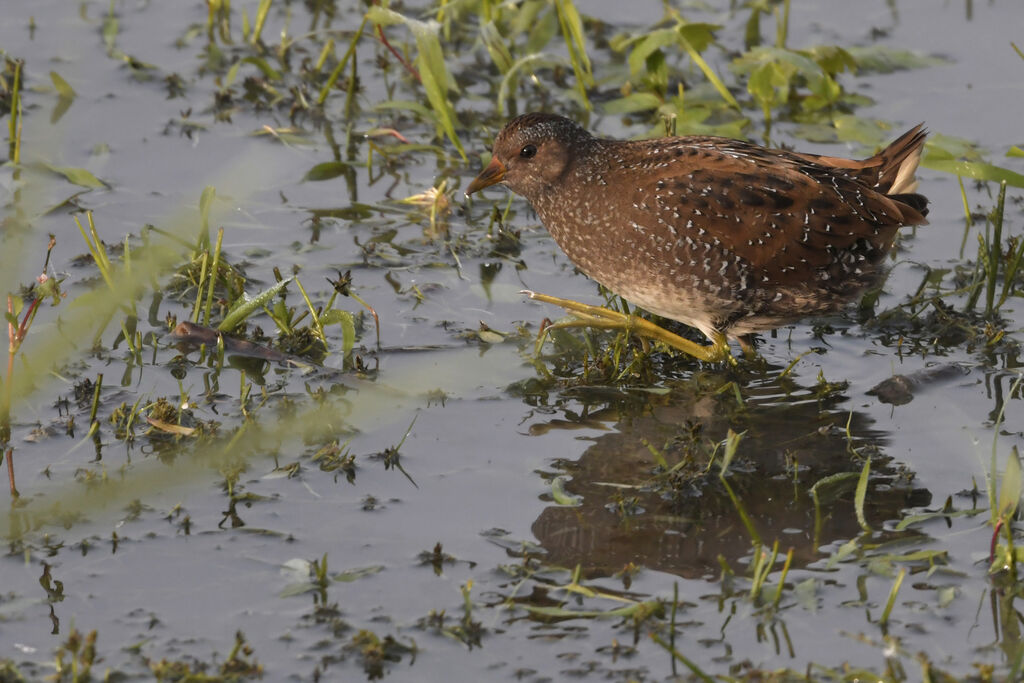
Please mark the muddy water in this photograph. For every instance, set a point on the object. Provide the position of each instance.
(168, 549)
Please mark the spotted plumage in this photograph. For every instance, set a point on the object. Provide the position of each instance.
(724, 235)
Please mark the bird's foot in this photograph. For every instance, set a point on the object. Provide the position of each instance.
(584, 315)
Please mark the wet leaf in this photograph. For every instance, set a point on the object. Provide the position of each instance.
(232, 74)
(845, 550)
(806, 594)
(1010, 486)
(348, 327)
(769, 84)
(17, 304)
(205, 202)
(833, 59)
(560, 495)
(327, 170)
(170, 428)
(350, 575)
(430, 64)
(288, 136)
(850, 128)
(979, 170)
(561, 613)
(917, 556)
(884, 59)
(572, 32)
(946, 595)
(110, 30)
(948, 147)
(528, 63)
(823, 87)
(630, 104)
(699, 36)
(268, 71)
(646, 45)
(489, 336)
(861, 494)
(297, 568)
(293, 589)
(925, 516)
(710, 74)
(496, 47)
(541, 28)
(246, 306)
(77, 176)
(1015, 151)
(63, 89)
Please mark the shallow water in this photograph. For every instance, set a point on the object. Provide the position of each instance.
(152, 551)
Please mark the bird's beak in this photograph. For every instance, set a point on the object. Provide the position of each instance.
(494, 173)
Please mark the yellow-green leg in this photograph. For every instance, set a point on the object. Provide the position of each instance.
(597, 316)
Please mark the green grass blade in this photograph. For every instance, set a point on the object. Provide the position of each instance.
(261, 20)
(511, 78)
(710, 74)
(979, 170)
(892, 596)
(63, 88)
(861, 494)
(572, 31)
(431, 66)
(246, 306)
(1010, 486)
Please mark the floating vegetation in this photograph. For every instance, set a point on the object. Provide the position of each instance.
(271, 373)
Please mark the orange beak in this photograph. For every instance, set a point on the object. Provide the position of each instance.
(494, 173)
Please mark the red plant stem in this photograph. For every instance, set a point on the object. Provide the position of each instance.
(401, 60)
(5, 409)
(995, 536)
(10, 325)
(10, 473)
(26, 320)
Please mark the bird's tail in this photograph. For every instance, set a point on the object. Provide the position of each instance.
(897, 163)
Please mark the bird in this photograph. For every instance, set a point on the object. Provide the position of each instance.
(723, 235)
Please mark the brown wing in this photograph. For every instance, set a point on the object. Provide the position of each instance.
(775, 212)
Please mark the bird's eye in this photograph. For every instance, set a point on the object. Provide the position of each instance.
(528, 152)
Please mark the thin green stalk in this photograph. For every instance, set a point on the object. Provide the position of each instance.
(1010, 273)
(261, 19)
(572, 32)
(710, 74)
(979, 273)
(10, 473)
(782, 26)
(782, 579)
(861, 494)
(324, 54)
(968, 221)
(95, 402)
(694, 669)
(317, 326)
(333, 78)
(213, 277)
(762, 568)
(884, 620)
(350, 98)
(14, 125)
(672, 624)
(748, 523)
(995, 251)
(197, 307)
(732, 443)
(96, 250)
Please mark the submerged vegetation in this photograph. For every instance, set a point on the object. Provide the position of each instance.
(189, 384)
